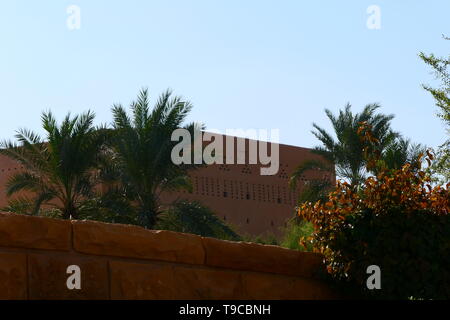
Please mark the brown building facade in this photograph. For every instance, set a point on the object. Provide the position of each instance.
(252, 203)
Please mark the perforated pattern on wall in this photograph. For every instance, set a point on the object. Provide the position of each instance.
(7, 170)
(242, 190)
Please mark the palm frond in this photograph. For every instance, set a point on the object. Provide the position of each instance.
(307, 166)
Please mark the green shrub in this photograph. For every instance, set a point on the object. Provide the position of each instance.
(23, 205)
(295, 232)
(268, 239)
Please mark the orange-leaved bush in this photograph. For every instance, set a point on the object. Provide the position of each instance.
(396, 220)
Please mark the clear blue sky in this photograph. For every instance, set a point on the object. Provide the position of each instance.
(243, 64)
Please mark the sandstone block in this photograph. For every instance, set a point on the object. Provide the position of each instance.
(275, 287)
(48, 277)
(261, 258)
(13, 276)
(169, 281)
(135, 242)
(34, 232)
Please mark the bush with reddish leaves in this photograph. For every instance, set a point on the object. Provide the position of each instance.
(396, 220)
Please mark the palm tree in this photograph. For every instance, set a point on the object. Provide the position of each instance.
(347, 151)
(399, 152)
(59, 171)
(142, 153)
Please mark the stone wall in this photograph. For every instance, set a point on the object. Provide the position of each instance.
(128, 262)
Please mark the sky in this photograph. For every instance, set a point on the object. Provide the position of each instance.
(253, 64)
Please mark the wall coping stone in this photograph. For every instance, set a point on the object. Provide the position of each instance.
(22, 231)
(129, 241)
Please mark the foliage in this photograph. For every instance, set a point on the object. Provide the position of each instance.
(192, 217)
(25, 205)
(397, 221)
(314, 189)
(441, 95)
(109, 208)
(141, 166)
(266, 239)
(398, 153)
(347, 151)
(294, 232)
(61, 171)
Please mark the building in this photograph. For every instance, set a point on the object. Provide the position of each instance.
(252, 203)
